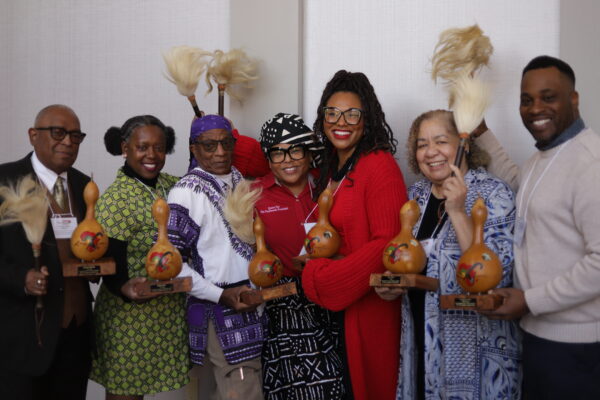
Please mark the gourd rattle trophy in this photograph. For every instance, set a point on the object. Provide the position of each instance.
(264, 270)
(89, 242)
(163, 262)
(322, 240)
(404, 256)
(478, 270)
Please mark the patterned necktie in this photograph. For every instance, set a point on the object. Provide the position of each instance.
(59, 192)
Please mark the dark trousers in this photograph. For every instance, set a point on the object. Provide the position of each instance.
(67, 377)
(556, 370)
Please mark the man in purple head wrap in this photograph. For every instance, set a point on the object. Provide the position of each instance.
(226, 335)
(214, 125)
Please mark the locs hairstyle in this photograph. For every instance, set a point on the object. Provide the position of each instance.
(114, 135)
(377, 133)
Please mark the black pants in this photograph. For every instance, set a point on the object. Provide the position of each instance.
(556, 370)
(67, 377)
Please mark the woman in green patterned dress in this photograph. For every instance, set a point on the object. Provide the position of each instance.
(141, 341)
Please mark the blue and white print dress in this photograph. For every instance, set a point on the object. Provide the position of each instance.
(467, 356)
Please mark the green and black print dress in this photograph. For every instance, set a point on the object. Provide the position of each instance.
(141, 348)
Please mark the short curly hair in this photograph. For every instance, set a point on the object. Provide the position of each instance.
(476, 157)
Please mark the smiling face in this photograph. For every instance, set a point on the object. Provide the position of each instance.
(436, 150)
(344, 137)
(292, 174)
(56, 155)
(146, 151)
(549, 103)
(217, 162)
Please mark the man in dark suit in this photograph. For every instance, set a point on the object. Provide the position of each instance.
(58, 369)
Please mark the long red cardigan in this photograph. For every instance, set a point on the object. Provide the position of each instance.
(366, 214)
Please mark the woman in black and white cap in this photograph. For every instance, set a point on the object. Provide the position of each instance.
(301, 356)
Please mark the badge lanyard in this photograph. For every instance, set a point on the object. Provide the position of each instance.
(428, 244)
(316, 205)
(521, 222)
(63, 225)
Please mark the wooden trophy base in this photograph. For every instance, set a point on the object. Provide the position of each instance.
(484, 302)
(408, 281)
(80, 268)
(175, 285)
(274, 292)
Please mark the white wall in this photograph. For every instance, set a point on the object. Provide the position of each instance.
(270, 31)
(102, 58)
(392, 41)
(580, 47)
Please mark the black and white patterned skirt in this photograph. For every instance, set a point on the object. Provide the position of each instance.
(301, 355)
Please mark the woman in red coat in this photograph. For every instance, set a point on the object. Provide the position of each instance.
(369, 190)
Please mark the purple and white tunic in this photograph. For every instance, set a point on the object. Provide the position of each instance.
(215, 259)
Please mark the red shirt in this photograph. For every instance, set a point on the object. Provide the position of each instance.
(365, 213)
(248, 157)
(283, 215)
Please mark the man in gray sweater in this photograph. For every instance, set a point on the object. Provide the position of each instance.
(557, 237)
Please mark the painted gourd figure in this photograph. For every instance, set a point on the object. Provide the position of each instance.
(479, 269)
(323, 240)
(404, 254)
(265, 268)
(89, 241)
(164, 260)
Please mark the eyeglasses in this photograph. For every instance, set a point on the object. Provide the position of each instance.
(58, 133)
(351, 116)
(277, 154)
(210, 146)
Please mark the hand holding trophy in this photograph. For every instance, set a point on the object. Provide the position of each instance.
(404, 256)
(478, 270)
(264, 270)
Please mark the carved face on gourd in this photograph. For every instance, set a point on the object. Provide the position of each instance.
(163, 265)
(310, 242)
(266, 272)
(270, 269)
(91, 240)
(161, 260)
(394, 252)
(479, 276)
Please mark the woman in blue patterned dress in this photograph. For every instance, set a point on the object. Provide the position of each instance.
(141, 341)
(455, 354)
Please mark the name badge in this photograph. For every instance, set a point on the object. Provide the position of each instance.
(307, 227)
(63, 226)
(427, 245)
(520, 225)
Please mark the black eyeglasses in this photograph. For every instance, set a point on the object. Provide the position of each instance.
(351, 116)
(58, 133)
(277, 154)
(210, 146)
